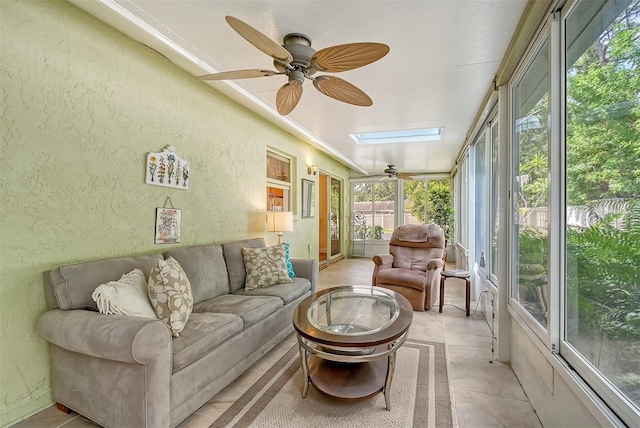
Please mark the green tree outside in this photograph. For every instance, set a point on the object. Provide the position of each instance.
(431, 202)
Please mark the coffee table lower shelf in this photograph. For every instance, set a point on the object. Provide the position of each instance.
(348, 381)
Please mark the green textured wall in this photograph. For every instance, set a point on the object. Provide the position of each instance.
(82, 105)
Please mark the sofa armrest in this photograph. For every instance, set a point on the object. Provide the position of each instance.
(113, 369)
(381, 262)
(306, 268)
(435, 264)
(112, 337)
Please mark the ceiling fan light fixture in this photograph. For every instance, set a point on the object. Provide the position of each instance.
(296, 77)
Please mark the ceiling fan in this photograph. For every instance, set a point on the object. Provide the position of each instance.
(299, 61)
(392, 172)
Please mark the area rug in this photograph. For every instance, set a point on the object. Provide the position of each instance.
(420, 397)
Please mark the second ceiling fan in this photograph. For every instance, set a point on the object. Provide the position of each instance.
(299, 61)
(392, 172)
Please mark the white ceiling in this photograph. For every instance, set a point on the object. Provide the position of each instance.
(443, 57)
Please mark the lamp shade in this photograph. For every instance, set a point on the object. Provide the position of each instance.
(280, 221)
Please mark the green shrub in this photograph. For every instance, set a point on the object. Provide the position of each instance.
(603, 263)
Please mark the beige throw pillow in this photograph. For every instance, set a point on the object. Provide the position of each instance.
(170, 294)
(265, 266)
(127, 296)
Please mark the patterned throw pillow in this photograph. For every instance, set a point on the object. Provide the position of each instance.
(265, 266)
(292, 273)
(170, 294)
(126, 296)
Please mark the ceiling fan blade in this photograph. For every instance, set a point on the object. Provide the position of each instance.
(347, 57)
(238, 74)
(287, 98)
(259, 40)
(404, 176)
(341, 90)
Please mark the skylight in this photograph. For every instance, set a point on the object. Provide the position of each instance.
(394, 137)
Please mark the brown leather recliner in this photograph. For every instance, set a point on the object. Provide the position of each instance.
(414, 264)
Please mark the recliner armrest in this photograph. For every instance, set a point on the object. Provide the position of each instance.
(113, 337)
(306, 268)
(435, 264)
(381, 262)
(383, 259)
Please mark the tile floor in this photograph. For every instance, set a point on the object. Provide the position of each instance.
(485, 394)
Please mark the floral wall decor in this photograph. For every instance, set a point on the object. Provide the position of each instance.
(168, 225)
(168, 169)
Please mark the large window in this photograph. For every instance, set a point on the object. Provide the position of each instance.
(495, 198)
(575, 195)
(480, 198)
(530, 187)
(462, 206)
(602, 204)
(375, 203)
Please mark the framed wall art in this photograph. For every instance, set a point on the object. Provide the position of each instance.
(167, 169)
(168, 225)
(308, 198)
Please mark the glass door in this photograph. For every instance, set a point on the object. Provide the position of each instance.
(334, 216)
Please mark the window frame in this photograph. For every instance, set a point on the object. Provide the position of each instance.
(514, 306)
(286, 186)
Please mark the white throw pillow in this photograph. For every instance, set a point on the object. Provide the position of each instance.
(127, 296)
(170, 294)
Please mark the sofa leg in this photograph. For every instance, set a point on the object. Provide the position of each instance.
(63, 408)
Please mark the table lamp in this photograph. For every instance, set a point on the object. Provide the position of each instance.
(280, 222)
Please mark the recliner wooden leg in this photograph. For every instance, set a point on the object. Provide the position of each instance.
(63, 408)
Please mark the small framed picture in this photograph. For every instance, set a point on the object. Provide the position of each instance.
(168, 225)
(308, 198)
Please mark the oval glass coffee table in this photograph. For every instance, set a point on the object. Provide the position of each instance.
(348, 338)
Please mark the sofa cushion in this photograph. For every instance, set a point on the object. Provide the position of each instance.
(206, 270)
(170, 294)
(251, 309)
(126, 296)
(203, 333)
(235, 260)
(265, 266)
(288, 292)
(73, 285)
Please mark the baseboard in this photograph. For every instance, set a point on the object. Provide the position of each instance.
(325, 264)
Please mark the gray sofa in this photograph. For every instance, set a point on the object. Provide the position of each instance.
(123, 371)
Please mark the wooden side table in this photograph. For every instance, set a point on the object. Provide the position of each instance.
(456, 273)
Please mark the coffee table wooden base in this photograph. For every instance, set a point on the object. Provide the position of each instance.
(348, 337)
(349, 377)
(348, 381)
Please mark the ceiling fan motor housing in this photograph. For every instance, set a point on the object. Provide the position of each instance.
(299, 46)
(391, 170)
